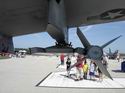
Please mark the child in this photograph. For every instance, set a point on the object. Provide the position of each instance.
(68, 63)
(100, 75)
(92, 70)
(85, 69)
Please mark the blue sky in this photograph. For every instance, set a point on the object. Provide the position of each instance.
(96, 35)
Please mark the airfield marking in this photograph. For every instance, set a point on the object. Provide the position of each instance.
(43, 79)
(59, 80)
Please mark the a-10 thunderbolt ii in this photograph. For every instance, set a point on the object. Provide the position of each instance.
(20, 17)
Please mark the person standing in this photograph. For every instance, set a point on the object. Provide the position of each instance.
(79, 65)
(68, 64)
(85, 69)
(73, 59)
(62, 59)
(92, 70)
(118, 56)
(105, 61)
(100, 75)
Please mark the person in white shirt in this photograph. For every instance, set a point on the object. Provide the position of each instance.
(92, 70)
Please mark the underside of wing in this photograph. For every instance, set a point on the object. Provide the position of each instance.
(88, 12)
(19, 17)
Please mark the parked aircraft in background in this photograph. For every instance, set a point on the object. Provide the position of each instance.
(112, 55)
(115, 55)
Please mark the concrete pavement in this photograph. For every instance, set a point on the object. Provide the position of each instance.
(20, 75)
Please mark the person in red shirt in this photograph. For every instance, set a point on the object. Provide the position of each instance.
(79, 67)
(62, 59)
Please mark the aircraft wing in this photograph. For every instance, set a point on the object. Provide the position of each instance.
(88, 12)
(19, 17)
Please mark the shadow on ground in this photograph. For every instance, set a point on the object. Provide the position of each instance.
(118, 71)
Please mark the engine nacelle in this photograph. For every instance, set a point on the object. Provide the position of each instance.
(95, 52)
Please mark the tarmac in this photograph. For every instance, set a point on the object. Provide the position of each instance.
(22, 75)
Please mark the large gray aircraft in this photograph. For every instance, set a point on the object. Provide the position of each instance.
(113, 55)
(20, 17)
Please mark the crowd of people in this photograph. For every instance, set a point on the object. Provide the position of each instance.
(84, 69)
